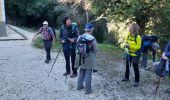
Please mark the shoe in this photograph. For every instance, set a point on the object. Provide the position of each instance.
(73, 75)
(136, 84)
(94, 71)
(80, 88)
(88, 92)
(66, 73)
(125, 80)
(46, 61)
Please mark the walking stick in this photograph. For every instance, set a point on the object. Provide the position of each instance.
(158, 84)
(55, 61)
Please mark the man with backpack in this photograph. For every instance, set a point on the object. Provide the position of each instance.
(68, 37)
(86, 58)
(133, 43)
(149, 43)
(48, 37)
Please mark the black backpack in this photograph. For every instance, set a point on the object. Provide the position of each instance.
(84, 47)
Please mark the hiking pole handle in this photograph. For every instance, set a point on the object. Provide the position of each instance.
(54, 61)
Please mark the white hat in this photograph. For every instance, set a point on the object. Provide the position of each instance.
(45, 22)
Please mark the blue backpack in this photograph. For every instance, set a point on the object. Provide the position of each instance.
(147, 42)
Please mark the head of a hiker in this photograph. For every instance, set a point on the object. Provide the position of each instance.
(45, 24)
(133, 28)
(67, 21)
(89, 28)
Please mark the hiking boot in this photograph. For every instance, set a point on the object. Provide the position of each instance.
(46, 61)
(80, 88)
(88, 92)
(94, 71)
(136, 84)
(125, 79)
(73, 75)
(66, 73)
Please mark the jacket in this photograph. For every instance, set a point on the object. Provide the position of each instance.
(134, 44)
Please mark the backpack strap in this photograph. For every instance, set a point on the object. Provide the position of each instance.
(134, 38)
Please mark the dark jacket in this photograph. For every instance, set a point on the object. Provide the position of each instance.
(68, 32)
(167, 50)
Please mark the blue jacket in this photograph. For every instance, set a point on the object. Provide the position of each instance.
(167, 50)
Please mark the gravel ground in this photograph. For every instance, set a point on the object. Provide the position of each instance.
(23, 75)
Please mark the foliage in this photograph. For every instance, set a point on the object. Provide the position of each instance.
(153, 16)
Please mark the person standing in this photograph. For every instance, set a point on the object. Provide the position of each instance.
(89, 63)
(133, 43)
(68, 37)
(166, 56)
(48, 37)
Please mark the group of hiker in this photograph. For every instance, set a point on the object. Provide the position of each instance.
(80, 51)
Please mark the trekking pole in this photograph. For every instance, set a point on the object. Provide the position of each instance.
(55, 61)
(158, 85)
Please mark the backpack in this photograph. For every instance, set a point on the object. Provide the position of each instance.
(53, 30)
(160, 69)
(147, 42)
(84, 46)
(74, 28)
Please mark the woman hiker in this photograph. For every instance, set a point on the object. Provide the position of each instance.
(68, 37)
(133, 43)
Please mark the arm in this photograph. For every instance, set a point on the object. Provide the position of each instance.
(61, 36)
(95, 47)
(75, 35)
(167, 50)
(39, 31)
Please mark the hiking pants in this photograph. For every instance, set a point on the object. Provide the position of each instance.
(48, 45)
(69, 52)
(134, 61)
(85, 75)
(145, 58)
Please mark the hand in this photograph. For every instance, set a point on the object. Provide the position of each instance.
(33, 39)
(164, 57)
(71, 40)
(63, 41)
(127, 45)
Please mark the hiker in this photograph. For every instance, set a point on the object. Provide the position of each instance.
(86, 58)
(149, 43)
(68, 37)
(166, 56)
(133, 44)
(48, 37)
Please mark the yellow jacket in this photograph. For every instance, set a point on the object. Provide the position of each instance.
(134, 46)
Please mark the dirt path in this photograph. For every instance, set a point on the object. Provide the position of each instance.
(23, 75)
